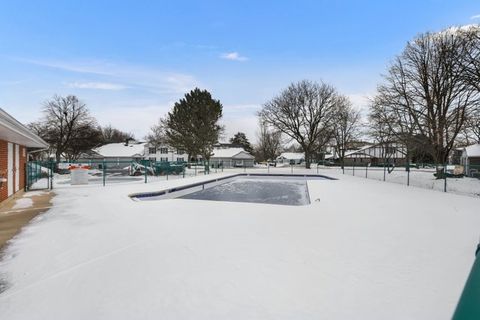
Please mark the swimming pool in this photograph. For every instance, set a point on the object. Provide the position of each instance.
(269, 189)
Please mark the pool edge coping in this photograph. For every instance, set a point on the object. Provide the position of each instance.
(136, 196)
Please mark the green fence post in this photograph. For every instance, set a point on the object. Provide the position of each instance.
(196, 167)
(445, 177)
(52, 168)
(408, 173)
(366, 171)
(104, 167)
(145, 170)
(183, 171)
(384, 171)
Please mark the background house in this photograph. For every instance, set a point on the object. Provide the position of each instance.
(231, 157)
(16, 140)
(374, 154)
(470, 159)
(118, 155)
(164, 153)
(290, 158)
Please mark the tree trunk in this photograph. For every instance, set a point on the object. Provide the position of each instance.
(307, 159)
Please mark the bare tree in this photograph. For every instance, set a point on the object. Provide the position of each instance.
(304, 112)
(157, 135)
(66, 121)
(114, 135)
(425, 95)
(346, 126)
(269, 143)
(471, 59)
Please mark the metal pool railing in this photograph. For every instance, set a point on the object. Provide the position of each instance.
(469, 305)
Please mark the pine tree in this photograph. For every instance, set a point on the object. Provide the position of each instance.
(192, 125)
(241, 139)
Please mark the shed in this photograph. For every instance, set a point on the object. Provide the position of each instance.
(290, 158)
(470, 159)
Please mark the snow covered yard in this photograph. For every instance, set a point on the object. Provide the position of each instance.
(362, 249)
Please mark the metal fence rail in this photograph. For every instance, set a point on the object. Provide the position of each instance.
(47, 174)
(41, 174)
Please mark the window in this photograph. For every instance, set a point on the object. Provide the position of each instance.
(180, 151)
(390, 150)
(162, 159)
(163, 150)
(152, 159)
(152, 150)
(180, 159)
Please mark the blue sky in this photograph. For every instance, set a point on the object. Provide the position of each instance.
(131, 60)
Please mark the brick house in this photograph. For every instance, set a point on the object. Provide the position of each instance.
(16, 140)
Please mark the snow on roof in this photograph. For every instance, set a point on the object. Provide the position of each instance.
(292, 155)
(227, 152)
(473, 150)
(350, 152)
(121, 150)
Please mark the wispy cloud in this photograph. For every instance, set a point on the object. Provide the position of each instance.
(233, 56)
(477, 16)
(90, 66)
(130, 75)
(97, 86)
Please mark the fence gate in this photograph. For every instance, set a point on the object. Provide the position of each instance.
(38, 175)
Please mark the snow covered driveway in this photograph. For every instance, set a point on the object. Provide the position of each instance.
(365, 250)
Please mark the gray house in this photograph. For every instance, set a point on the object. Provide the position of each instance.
(231, 157)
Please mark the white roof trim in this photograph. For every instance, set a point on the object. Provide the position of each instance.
(14, 131)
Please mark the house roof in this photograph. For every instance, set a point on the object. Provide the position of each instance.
(238, 153)
(473, 150)
(13, 131)
(121, 149)
(292, 155)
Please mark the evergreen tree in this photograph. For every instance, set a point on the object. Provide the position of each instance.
(192, 125)
(241, 139)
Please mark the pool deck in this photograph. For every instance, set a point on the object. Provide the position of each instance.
(12, 220)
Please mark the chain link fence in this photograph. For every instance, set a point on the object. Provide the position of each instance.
(445, 178)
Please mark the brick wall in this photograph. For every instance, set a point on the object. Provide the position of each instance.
(23, 161)
(4, 164)
(3, 169)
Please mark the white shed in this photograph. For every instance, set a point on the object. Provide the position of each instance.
(470, 159)
(291, 158)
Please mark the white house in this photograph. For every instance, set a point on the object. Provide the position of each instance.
(470, 159)
(373, 154)
(290, 158)
(164, 153)
(231, 157)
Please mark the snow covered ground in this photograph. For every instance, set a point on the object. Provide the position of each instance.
(362, 249)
